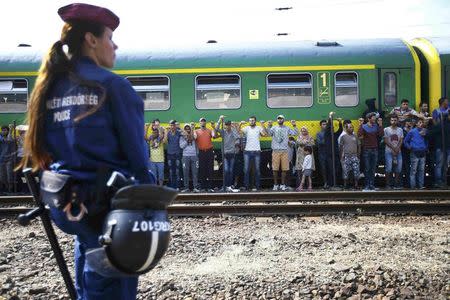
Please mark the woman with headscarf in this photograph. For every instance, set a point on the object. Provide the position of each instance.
(303, 139)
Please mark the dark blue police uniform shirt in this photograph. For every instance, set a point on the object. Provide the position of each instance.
(112, 137)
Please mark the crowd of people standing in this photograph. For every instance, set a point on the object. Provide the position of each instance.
(413, 143)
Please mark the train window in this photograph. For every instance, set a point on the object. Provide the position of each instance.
(390, 89)
(289, 90)
(346, 89)
(13, 95)
(155, 91)
(217, 91)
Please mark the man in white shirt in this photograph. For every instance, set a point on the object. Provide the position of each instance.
(252, 151)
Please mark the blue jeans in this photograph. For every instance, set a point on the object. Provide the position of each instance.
(370, 163)
(7, 174)
(89, 284)
(406, 165)
(174, 163)
(441, 167)
(389, 157)
(417, 170)
(157, 169)
(254, 156)
(228, 168)
(190, 164)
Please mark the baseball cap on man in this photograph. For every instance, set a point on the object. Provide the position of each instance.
(202, 119)
(90, 13)
(280, 117)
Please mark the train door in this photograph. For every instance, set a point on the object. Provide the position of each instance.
(389, 88)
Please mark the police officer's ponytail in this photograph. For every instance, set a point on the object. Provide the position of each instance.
(55, 64)
(58, 62)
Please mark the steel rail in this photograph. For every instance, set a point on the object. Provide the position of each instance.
(296, 208)
(318, 196)
(263, 209)
(382, 195)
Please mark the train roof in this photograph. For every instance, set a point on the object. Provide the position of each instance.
(380, 52)
(442, 45)
(21, 59)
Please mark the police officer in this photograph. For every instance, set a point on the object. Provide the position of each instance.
(84, 118)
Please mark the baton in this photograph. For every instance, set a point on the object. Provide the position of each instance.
(24, 219)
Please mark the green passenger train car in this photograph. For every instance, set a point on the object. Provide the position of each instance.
(302, 80)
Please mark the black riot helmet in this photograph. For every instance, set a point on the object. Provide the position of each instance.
(136, 232)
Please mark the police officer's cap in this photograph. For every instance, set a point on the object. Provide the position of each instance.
(91, 13)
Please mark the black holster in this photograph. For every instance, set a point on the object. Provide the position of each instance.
(55, 189)
(60, 190)
(100, 200)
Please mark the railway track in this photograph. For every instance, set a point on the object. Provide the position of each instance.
(289, 203)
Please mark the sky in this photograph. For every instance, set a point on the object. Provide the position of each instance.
(160, 23)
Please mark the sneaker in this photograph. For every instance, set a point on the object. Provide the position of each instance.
(254, 189)
(196, 190)
(283, 188)
(211, 190)
(275, 187)
(366, 190)
(231, 190)
(185, 190)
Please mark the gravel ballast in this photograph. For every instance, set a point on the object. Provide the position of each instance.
(347, 257)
